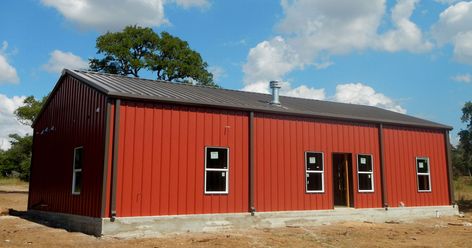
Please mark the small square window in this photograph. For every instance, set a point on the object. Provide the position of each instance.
(314, 161)
(314, 169)
(314, 182)
(365, 182)
(365, 163)
(217, 158)
(216, 170)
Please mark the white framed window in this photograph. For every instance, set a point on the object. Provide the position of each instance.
(365, 173)
(216, 170)
(423, 175)
(314, 172)
(77, 170)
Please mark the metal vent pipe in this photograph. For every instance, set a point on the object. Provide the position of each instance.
(275, 86)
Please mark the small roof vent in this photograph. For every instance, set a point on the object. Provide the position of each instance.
(275, 86)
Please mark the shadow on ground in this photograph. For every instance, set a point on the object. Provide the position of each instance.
(30, 217)
(465, 205)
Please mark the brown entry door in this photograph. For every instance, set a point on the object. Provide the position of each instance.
(342, 180)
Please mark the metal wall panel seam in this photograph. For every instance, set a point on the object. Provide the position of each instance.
(105, 159)
(252, 208)
(449, 168)
(382, 168)
(115, 160)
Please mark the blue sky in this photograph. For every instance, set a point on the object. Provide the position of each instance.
(409, 56)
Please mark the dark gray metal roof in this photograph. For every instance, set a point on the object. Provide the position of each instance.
(145, 89)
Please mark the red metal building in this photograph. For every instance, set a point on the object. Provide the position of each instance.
(108, 146)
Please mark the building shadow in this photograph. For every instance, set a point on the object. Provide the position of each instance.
(36, 219)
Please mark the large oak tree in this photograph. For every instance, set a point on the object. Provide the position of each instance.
(135, 48)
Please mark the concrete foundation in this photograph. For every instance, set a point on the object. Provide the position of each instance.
(160, 225)
(70, 222)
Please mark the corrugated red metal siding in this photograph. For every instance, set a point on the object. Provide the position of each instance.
(280, 144)
(161, 159)
(402, 146)
(72, 113)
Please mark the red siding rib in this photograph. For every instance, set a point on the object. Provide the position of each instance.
(72, 113)
(280, 144)
(402, 146)
(161, 159)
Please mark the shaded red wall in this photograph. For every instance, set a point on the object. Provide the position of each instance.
(402, 146)
(72, 113)
(280, 144)
(161, 159)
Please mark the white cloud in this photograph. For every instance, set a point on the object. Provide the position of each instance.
(192, 3)
(463, 47)
(8, 122)
(269, 60)
(218, 72)
(303, 91)
(337, 27)
(454, 20)
(113, 15)
(7, 72)
(455, 26)
(447, 1)
(406, 35)
(323, 64)
(463, 78)
(313, 30)
(59, 60)
(359, 93)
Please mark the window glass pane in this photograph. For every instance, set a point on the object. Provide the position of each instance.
(78, 158)
(78, 182)
(365, 181)
(365, 163)
(217, 158)
(422, 165)
(314, 181)
(216, 180)
(423, 182)
(314, 161)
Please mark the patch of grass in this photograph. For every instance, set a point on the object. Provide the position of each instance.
(11, 181)
(463, 193)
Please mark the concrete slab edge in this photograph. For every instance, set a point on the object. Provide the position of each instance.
(70, 222)
(150, 226)
(125, 227)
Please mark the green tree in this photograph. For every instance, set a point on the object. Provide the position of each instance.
(27, 113)
(465, 138)
(136, 48)
(17, 159)
(124, 52)
(173, 60)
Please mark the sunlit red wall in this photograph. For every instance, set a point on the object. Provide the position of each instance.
(280, 144)
(402, 146)
(161, 159)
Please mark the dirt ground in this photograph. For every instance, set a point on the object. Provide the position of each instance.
(435, 232)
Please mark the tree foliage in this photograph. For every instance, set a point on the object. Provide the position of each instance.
(464, 150)
(173, 60)
(27, 113)
(17, 159)
(136, 48)
(124, 52)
